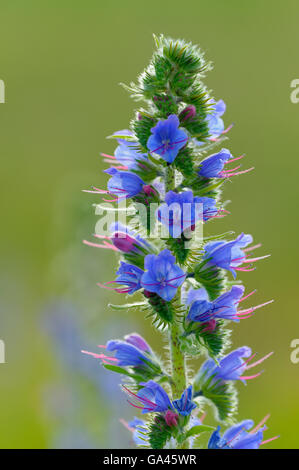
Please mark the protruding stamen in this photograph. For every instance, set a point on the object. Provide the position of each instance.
(97, 245)
(269, 440)
(246, 296)
(258, 426)
(251, 260)
(252, 309)
(125, 424)
(245, 270)
(228, 128)
(254, 247)
(97, 356)
(234, 159)
(260, 360)
(108, 156)
(250, 377)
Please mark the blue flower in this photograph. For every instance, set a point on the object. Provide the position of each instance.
(137, 427)
(132, 351)
(181, 210)
(136, 422)
(127, 354)
(163, 276)
(225, 306)
(167, 139)
(228, 255)
(231, 367)
(153, 398)
(128, 155)
(196, 294)
(123, 183)
(215, 123)
(212, 166)
(238, 436)
(185, 405)
(201, 308)
(129, 276)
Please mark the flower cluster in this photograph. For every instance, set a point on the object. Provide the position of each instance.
(169, 158)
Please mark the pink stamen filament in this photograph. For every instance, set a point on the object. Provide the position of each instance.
(119, 290)
(144, 400)
(246, 296)
(250, 248)
(227, 174)
(246, 270)
(96, 245)
(99, 190)
(231, 169)
(244, 362)
(215, 139)
(108, 156)
(95, 191)
(269, 440)
(228, 128)
(261, 423)
(252, 309)
(119, 167)
(97, 356)
(135, 406)
(114, 200)
(125, 424)
(238, 259)
(233, 438)
(105, 359)
(234, 159)
(250, 377)
(102, 237)
(251, 260)
(109, 245)
(260, 360)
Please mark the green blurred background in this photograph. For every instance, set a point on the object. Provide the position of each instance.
(61, 62)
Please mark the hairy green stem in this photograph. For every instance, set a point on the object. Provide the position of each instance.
(177, 362)
(177, 358)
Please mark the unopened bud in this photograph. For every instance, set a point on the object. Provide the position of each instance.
(188, 113)
(123, 242)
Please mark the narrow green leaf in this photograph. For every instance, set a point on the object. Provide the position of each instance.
(129, 138)
(198, 429)
(127, 306)
(117, 369)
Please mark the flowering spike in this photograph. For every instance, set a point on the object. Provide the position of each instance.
(187, 282)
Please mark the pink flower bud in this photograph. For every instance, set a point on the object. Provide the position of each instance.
(149, 190)
(123, 242)
(210, 325)
(188, 113)
(171, 418)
